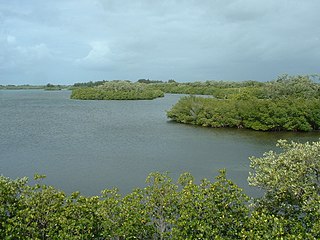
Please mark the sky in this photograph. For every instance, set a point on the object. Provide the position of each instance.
(69, 41)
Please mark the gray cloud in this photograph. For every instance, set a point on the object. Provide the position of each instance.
(73, 41)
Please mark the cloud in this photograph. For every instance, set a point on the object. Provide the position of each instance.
(98, 58)
(18, 56)
(35, 53)
(11, 39)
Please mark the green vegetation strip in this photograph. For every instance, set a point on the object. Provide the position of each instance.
(164, 209)
(117, 90)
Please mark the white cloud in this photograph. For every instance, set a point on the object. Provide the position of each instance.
(11, 39)
(24, 56)
(35, 53)
(98, 58)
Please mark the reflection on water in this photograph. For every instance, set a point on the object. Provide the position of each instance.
(92, 145)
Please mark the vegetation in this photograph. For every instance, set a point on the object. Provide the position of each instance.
(289, 209)
(283, 86)
(287, 104)
(117, 90)
(20, 87)
(171, 86)
(89, 84)
(215, 88)
(147, 81)
(291, 182)
(289, 114)
(51, 87)
(292, 86)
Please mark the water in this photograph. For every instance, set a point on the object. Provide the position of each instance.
(88, 146)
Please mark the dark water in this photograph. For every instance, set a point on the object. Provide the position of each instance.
(93, 145)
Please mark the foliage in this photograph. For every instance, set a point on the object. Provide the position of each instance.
(264, 225)
(291, 181)
(302, 86)
(10, 204)
(161, 198)
(292, 86)
(148, 81)
(162, 210)
(290, 103)
(117, 90)
(246, 111)
(89, 84)
(51, 87)
(219, 89)
(210, 210)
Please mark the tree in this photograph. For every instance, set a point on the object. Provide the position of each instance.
(210, 210)
(10, 204)
(291, 181)
(35, 211)
(161, 203)
(297, 86)
(171, 81)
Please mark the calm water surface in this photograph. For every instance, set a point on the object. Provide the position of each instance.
(93, 145)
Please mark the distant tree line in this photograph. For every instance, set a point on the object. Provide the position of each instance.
(48, 86)
(52, 87)
(214, 88)
(20, 87)
(164, 209)
(91, 83)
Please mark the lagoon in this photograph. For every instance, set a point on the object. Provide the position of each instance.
(88, 146)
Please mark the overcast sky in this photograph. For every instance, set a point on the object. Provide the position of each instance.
(68, 41)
